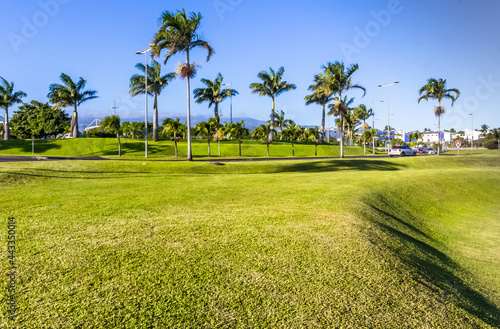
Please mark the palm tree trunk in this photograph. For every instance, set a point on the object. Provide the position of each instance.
(364, 144)
(271, 133)
(439, 130)
(208, 139)
(239, 142)
(189, 155)
(268, 149)
(119, 145)
(218, 143)
(155, 118)
(341, 135)
(322, 125)
(293, 149)
(6, 130)
(316, 150)
(176, 154)
(74, 127)
(216, 113)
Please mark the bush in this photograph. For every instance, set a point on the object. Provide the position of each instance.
(491, 144)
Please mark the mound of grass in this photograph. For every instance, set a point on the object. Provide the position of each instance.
(341, 243)
(81, 147)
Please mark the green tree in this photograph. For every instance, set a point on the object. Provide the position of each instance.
(484, 130)
(178, 33)
(156, 83)
(337, 79)
(70, 94)
(272, 85)
(173, 127)
(111, 125)
(293, 132)
(363, 113)
(263, 132)
(213, 94)
(207, 129)
(236, 130)
(38, 120)
(8, 97)
(436, 89)
(321, 96)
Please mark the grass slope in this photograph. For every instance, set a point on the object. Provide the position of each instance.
(342, 243)
(130, 148)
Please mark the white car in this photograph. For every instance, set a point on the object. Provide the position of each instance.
(402, 150)
(430, 150)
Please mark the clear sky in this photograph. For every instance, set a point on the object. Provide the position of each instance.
(407, 41)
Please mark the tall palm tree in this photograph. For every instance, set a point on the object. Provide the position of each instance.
(337, 78)
(8, 97)
(436, 89)
(156, 84)
(178, 33)
(321, 96)
(207, 129)
(263, 132)
(272, 85)
(70, 94)
(213, 94)
(111, 124)
(173, 127)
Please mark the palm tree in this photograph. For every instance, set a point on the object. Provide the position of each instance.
(213, 94)
(363, 113)
(280, 122)
(111, 124)
(263, 132)
(343, 110)
(70, 94)
(337, 79)
(294, 132)
(8, 98)
(156, 84)
(236, 130)
(178, 33)
(484, 130)
(321, 96)
(173, 127)
(207, 129)
(272, 85)
(436, 89)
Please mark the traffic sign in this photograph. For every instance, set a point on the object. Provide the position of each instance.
(458, 143)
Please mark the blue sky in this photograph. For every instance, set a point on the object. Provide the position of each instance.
(406, 41)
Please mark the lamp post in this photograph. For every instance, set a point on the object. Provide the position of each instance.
(230, 106)
(388, 124)
(145, 52)
(375, 101)
(472, 132)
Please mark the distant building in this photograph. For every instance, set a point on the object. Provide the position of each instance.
(332, 132)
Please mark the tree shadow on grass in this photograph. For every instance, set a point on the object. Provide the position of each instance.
(339, 165)
(435, 266)
(21, 146)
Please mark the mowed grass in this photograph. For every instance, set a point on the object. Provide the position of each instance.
(353, 243)
(82, 147)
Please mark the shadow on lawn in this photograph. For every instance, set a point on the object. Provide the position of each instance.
(416, 251)
(25, 146)
(339, 165)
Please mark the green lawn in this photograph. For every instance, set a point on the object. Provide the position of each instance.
(165, 149)
(355, 243)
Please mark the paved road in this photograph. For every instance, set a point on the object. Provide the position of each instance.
(13, 158)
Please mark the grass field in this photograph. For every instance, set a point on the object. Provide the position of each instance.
(356, 243)
(165, 149)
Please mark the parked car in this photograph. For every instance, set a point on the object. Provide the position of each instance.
(431, 150)
(402, 150)
(422, 150)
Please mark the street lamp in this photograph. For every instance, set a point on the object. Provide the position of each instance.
(375, 101)
(231, 106)
(472, 132)
(145, 52)
(388, 124)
